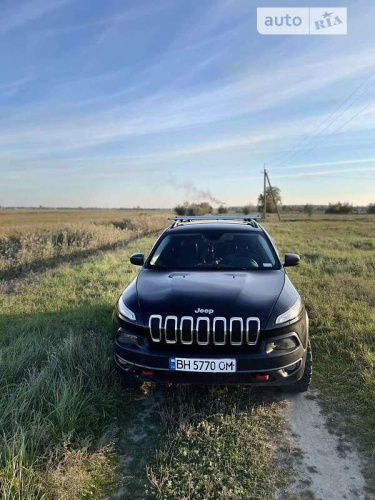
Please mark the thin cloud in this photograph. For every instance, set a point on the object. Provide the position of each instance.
(327, 164)
(133, 14)
(27, 12)
(324, 173)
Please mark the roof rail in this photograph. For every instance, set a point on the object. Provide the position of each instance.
(187, 218)
(249, 219)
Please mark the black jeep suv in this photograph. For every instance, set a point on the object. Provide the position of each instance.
(213, 304)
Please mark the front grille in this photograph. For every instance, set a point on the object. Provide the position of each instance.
(204, 331)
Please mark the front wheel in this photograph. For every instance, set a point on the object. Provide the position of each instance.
(303, 384)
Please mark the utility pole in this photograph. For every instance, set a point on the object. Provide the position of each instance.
(264, 192)
(273, 196)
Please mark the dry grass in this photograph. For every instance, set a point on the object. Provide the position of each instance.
(33, 220)
(73, 473)
(38, 243)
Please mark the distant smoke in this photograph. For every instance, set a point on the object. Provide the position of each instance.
(193, 192)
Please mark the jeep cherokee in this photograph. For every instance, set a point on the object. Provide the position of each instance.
(213, 304)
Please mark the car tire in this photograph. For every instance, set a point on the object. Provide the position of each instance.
(126, 380)
(303, 384)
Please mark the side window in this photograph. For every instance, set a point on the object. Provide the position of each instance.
(274, 244)
(267, 252)
(160, 250)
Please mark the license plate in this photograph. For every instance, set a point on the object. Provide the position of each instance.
(203, 365)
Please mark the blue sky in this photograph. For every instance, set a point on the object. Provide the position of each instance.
(152, 103)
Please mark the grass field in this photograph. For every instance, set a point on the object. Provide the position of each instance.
(64, 421)
(33, 240)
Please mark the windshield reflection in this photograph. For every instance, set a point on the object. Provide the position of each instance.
(215, 251)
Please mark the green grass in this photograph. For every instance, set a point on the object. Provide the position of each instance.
(337, 279)
(65, 423)
(218, 442)
(59, 399)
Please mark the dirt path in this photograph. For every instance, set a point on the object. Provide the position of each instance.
(138, 442)
(329, 468)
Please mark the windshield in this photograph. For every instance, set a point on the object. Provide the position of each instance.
(214, 250)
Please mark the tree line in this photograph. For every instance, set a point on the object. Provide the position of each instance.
(272, 196)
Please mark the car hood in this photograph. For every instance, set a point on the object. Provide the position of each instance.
(223, 293)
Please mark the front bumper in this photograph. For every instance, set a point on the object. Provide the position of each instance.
(148, 363)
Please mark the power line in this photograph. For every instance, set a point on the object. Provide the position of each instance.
(294, 157)
(331, 118)
(301, 152)
(335, 131)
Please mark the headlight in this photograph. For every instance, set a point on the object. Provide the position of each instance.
(291, 313)
(125, 312)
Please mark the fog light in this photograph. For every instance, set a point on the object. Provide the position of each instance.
(293, 368)
(126, 337)
(123, 363)
(288, 343)
(285, 344)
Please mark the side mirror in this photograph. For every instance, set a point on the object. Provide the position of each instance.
(291, 259)
(138, 259)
